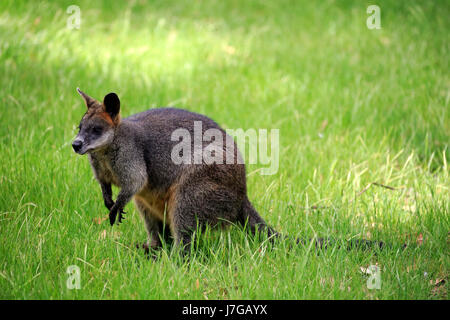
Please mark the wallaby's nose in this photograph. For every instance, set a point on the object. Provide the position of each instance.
(76, 145)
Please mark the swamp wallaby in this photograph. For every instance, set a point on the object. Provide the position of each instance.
(136, 155)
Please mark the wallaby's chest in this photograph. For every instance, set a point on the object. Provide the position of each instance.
(104, 167)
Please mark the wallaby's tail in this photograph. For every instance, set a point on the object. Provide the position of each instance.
(254, 221)
(257, 224)
(352, 244)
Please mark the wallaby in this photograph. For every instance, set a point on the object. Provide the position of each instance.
(135, 154)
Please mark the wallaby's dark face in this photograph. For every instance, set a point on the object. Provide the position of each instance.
(97, 127)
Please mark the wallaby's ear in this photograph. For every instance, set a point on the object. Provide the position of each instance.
(112, 104)
(88, 100)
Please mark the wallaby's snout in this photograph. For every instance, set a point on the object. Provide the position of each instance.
(76, 145)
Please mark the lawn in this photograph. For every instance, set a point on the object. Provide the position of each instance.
(355, 106)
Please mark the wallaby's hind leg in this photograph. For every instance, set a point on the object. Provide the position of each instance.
(152, 225)
(194, 207)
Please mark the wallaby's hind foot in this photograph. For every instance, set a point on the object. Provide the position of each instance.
(149, 252)
(144, 246)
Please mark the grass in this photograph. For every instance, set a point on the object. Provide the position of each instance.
(353, 105)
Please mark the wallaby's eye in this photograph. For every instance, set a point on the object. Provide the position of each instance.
(97, 130)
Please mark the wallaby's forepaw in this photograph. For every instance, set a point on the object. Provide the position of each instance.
(113, 215)
(121, 217)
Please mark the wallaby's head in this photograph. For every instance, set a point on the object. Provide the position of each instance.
(97, 127)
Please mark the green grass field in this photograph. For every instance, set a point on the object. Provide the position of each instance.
(354, 106)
